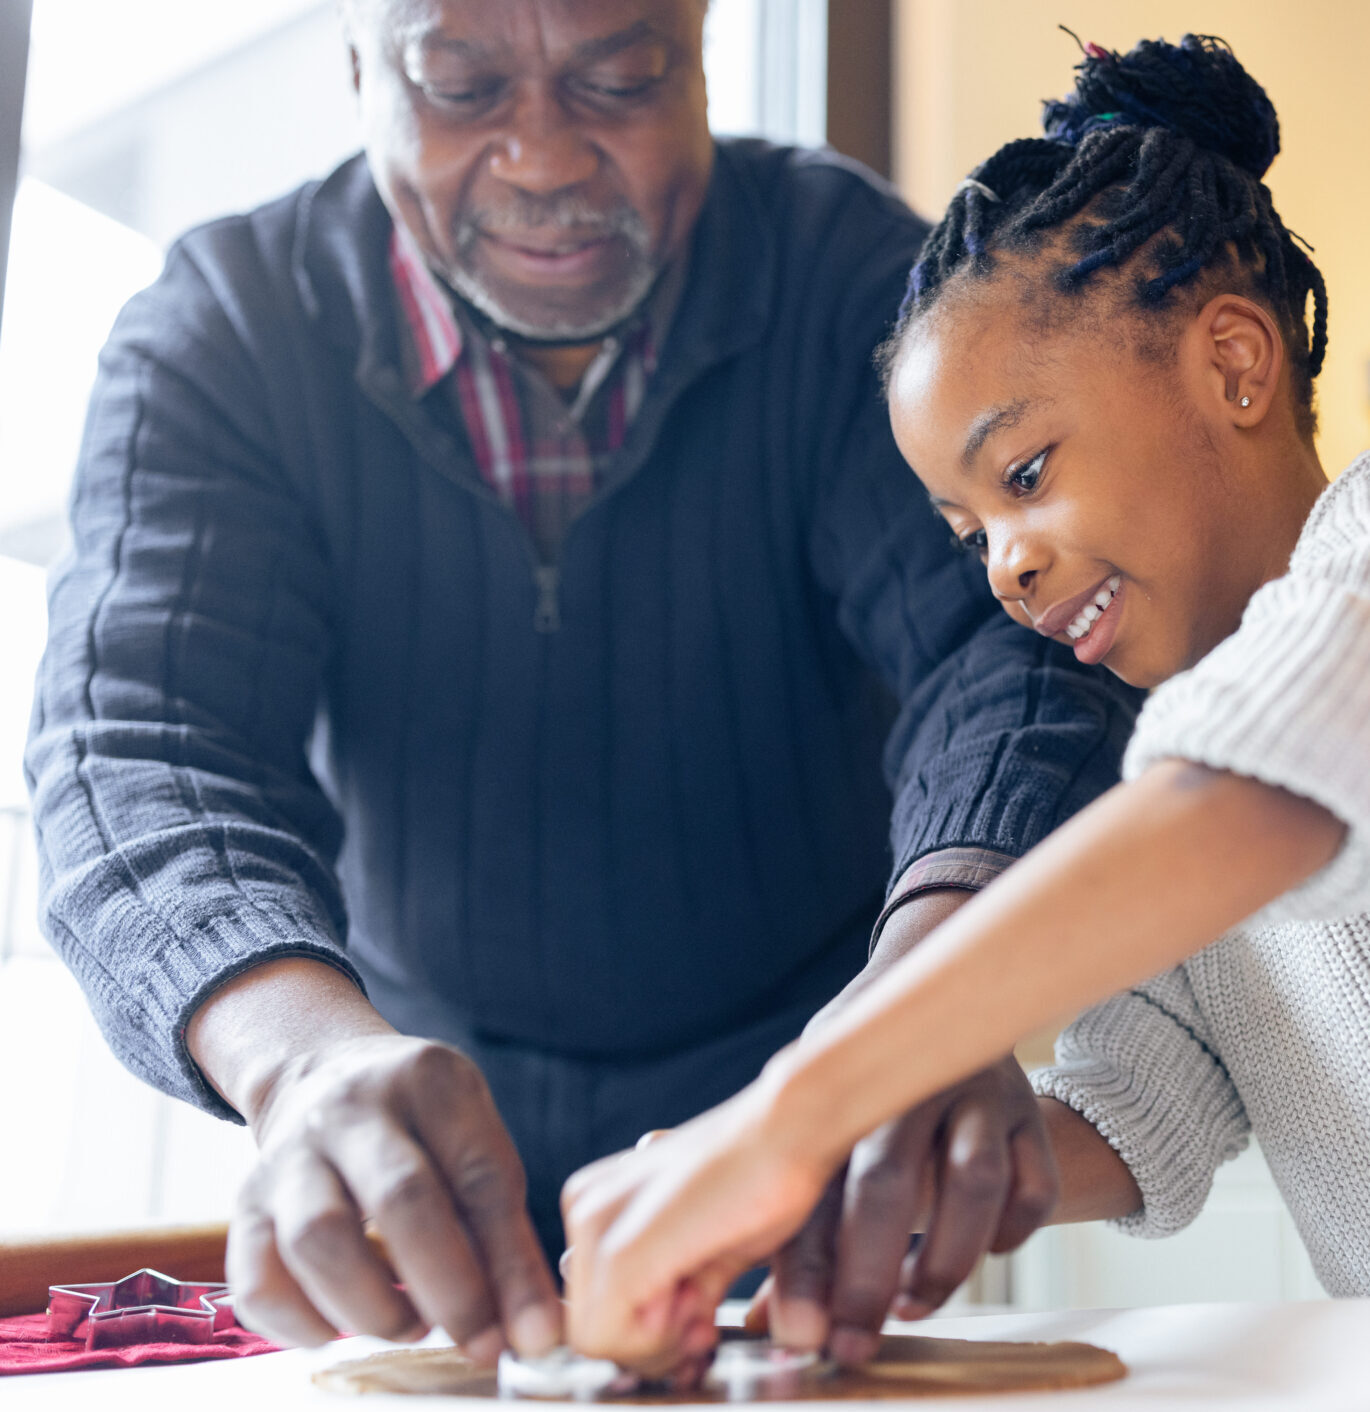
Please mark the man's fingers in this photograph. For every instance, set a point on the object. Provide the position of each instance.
(973, 1188)
(397, 1184)
(881, 1198)
(757, 1320)
(404, 1133)
(266, 1295)
(1035, 1189)
(319, 1236)
(529, 1307)
(483, 1176)
(801, 1276)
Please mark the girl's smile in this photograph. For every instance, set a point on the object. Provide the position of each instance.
(1089, 621)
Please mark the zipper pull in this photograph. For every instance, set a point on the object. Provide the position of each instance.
(547, 614)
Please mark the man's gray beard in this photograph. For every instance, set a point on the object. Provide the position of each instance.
(558, 331)
(566, 211)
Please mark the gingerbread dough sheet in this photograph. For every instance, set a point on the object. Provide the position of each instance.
(906, 1367)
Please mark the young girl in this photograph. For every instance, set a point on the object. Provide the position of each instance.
(1103, 376)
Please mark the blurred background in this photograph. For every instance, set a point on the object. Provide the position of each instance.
(144, 117)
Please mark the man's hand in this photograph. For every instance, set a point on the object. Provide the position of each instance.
(971, 1168)
(357, 1123)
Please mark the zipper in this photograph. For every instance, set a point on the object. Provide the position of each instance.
(384, 391)
(547, 613)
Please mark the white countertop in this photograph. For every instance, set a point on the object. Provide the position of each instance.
(1313, 1357)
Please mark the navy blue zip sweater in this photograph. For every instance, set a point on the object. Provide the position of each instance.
(307, 692)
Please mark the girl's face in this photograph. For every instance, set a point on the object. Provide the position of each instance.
(1096, 486)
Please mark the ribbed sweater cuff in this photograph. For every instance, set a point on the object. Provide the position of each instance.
(1158, 1097)
(175, 980)
(1022, 815)
(1285, 701)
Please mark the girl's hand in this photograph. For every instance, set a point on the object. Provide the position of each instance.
(656, 1236)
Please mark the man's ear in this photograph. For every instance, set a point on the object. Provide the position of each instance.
(347, 19)
(1241, 353)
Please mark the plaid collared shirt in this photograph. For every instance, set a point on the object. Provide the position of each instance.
(546, 457)
(543, 454)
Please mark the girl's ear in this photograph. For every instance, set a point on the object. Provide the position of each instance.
(1241, 357)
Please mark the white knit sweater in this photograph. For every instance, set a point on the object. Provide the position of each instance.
(1268, 1029)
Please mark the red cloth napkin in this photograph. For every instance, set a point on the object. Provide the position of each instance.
(24, 1348)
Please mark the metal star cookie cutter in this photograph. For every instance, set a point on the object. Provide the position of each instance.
(144, 1307)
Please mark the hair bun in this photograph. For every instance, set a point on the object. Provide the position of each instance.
(1195, 87)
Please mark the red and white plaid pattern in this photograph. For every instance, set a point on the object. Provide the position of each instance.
(543, 456)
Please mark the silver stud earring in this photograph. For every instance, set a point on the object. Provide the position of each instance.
(1246, 402)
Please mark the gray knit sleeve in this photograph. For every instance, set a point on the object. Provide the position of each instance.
(182, 836)
(1142, 1069)
(1286, 698)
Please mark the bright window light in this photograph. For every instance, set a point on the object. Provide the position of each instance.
(89, 58)
(70, 271)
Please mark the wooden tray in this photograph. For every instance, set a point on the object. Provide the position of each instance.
(907, 1366)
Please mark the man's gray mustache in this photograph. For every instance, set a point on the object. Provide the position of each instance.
(576, 216)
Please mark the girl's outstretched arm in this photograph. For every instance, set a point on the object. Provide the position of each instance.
(1149, 874)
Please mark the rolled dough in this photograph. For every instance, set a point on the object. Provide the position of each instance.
(907, 1366)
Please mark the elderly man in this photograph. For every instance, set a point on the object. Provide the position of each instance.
(485, 565)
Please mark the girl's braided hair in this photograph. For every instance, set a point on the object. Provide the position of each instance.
(1161, 151)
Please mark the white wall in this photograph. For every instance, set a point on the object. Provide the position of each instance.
(1242, 1247)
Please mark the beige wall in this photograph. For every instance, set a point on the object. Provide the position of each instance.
(972, 73)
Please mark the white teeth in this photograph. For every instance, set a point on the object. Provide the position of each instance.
(1081, 625)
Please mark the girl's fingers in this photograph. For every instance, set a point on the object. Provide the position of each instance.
(672, 1225)
(587, 1176)
(613, 1312)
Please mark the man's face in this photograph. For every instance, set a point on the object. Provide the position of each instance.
(548, 156)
